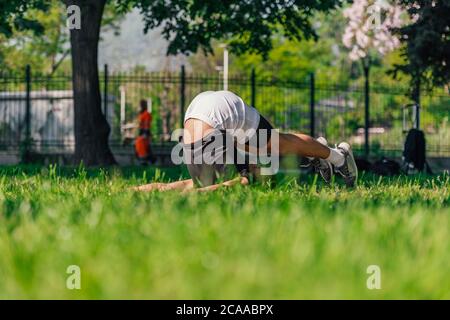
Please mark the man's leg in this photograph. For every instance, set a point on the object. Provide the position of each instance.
(288, 143)
(304, 145)
(321, 166)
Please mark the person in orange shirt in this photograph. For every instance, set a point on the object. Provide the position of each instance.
(145, 119)
(142, 144)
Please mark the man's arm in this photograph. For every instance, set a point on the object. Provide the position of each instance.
(183, 185)
(239, 180)
(188, 185)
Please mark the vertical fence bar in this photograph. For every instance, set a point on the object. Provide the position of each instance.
(122, 109)
(366, 112)
(417, 101)
(182, 94)
(312, 102)
(105, 92)
(27, 142)
(253, 88)
(225, 68)
(417, 124)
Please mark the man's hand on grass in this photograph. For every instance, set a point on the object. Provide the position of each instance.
(236, 181)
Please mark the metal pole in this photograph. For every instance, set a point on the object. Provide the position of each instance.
(418, 106)
(182, 94)
(105, 92)
(417, 116)
(122, 108)
(225, 68)
(312, 102)
(366, 112)
(27, 112)
(253, 88)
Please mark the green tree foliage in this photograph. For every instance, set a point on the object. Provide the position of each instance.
(293, 59)
(248, 25)
(47, 50)
(13, 15)
(427, 43)
(296, 59)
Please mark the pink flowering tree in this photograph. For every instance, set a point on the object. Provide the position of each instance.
(368, 32)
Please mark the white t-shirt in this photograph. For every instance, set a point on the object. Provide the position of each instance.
(224, 110)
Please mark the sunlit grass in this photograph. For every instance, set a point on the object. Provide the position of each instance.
(297, 239)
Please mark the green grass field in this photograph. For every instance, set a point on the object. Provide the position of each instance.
(296, 240)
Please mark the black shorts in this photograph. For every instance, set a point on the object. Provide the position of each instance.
(263, 125)
(206, 158)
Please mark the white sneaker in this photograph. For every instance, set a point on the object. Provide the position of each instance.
(321, 166)
(349, 170)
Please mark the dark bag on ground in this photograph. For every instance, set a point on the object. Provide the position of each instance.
(414, 157)
(414, 151)
(363, 164)
(386, 167)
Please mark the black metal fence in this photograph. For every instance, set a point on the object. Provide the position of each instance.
(36, 111)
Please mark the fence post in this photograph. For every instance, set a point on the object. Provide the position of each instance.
(417, 101)
(253, 88)
(182, 94)
(27, 142)
(366, 113)
(312, 102)
(105, 92)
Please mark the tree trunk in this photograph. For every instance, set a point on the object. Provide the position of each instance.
(91, 128)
